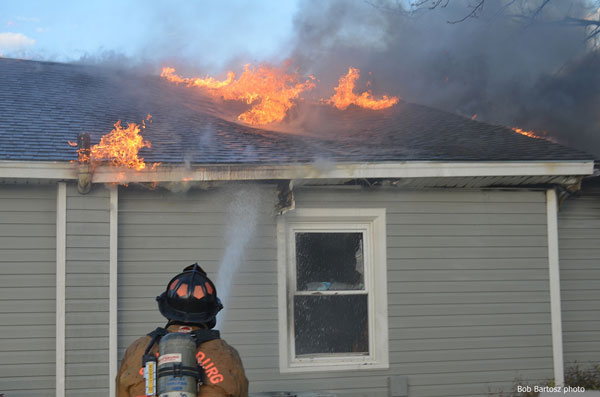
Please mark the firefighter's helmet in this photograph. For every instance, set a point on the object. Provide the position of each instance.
(190, 297)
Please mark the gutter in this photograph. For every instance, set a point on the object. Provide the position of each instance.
(249, 172)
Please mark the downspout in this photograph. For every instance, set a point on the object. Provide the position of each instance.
(554, 277)
(84, 171)
(285, 197)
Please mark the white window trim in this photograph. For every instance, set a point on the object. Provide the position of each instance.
(372, 222)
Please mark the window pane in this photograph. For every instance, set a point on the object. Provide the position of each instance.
(329, 261)
(331, 324)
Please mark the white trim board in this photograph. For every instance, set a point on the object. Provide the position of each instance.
(112, 288)
(372, 223)
(61, 275)
(332, 170)
(37, 170)
(554, 277)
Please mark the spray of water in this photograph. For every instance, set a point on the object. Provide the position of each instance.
(242, 219)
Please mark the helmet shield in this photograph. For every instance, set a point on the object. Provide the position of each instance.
(190, 297)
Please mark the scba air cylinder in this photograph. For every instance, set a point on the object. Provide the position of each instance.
(178, 371)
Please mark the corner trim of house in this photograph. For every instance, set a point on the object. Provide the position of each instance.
(554, 277)
(61, 270)
(112, 288)
(282, 292)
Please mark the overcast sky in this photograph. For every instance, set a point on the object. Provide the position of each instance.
(209, 32)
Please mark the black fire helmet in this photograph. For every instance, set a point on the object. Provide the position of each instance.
(190, 297)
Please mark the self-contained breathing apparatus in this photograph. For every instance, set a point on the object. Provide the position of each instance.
(190, 298)
(176, 371)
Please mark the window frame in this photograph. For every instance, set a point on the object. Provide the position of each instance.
(370, 222)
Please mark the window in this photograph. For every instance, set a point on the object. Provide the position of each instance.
(332, 290)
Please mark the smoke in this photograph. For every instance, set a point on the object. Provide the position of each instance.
(508, 65)
(242, 219)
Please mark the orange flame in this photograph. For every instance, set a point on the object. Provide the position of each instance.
(120, 147)
(473, 117)
(268, 89)
(208, 82)
(344, 94)
(530, 134)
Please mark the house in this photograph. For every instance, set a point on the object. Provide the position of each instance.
(579, 238)
(402, 252)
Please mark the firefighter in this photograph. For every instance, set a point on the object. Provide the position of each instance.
(190, 305)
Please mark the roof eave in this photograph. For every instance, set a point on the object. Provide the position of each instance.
(248, 172)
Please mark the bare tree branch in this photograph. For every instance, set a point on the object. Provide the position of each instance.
(393, 10)
(503, 8)
(472, 14)
(434, 3)
(528, 16)
(581, 22)
(540, 8)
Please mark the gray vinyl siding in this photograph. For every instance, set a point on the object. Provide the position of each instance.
(27, 290)
(160, 233)
(467, 276)
(87, 292)
(579, 250)
(468, 295)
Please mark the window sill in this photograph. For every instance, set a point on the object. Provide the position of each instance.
(330, 366)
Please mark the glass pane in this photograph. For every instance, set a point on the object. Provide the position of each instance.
(329, 261)
(331, 324)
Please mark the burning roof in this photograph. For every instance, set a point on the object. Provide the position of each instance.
(271, 91)
(345, 96)
(268, 89)
(43, 105)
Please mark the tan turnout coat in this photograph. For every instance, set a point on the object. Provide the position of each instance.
(225, 375)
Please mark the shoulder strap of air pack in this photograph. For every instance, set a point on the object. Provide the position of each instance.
(204, 335)
(155, 335)
(200, 336)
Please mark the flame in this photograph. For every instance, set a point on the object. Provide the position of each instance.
(208, 82)
(268, 89)
(530, 134)
(119, 147)
(344, 94)
(473, 117)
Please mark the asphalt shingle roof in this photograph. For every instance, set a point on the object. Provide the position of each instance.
(43, 105)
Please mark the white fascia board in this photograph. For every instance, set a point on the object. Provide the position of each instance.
(38, 170)
(217, 172)
(408, 169)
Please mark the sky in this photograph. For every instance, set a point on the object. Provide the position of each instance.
(211, 32)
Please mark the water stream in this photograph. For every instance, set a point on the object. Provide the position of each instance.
(242, 220)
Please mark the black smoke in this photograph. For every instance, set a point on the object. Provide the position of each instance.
(508, 65)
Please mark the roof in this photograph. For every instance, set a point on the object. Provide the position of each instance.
(44, 105)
